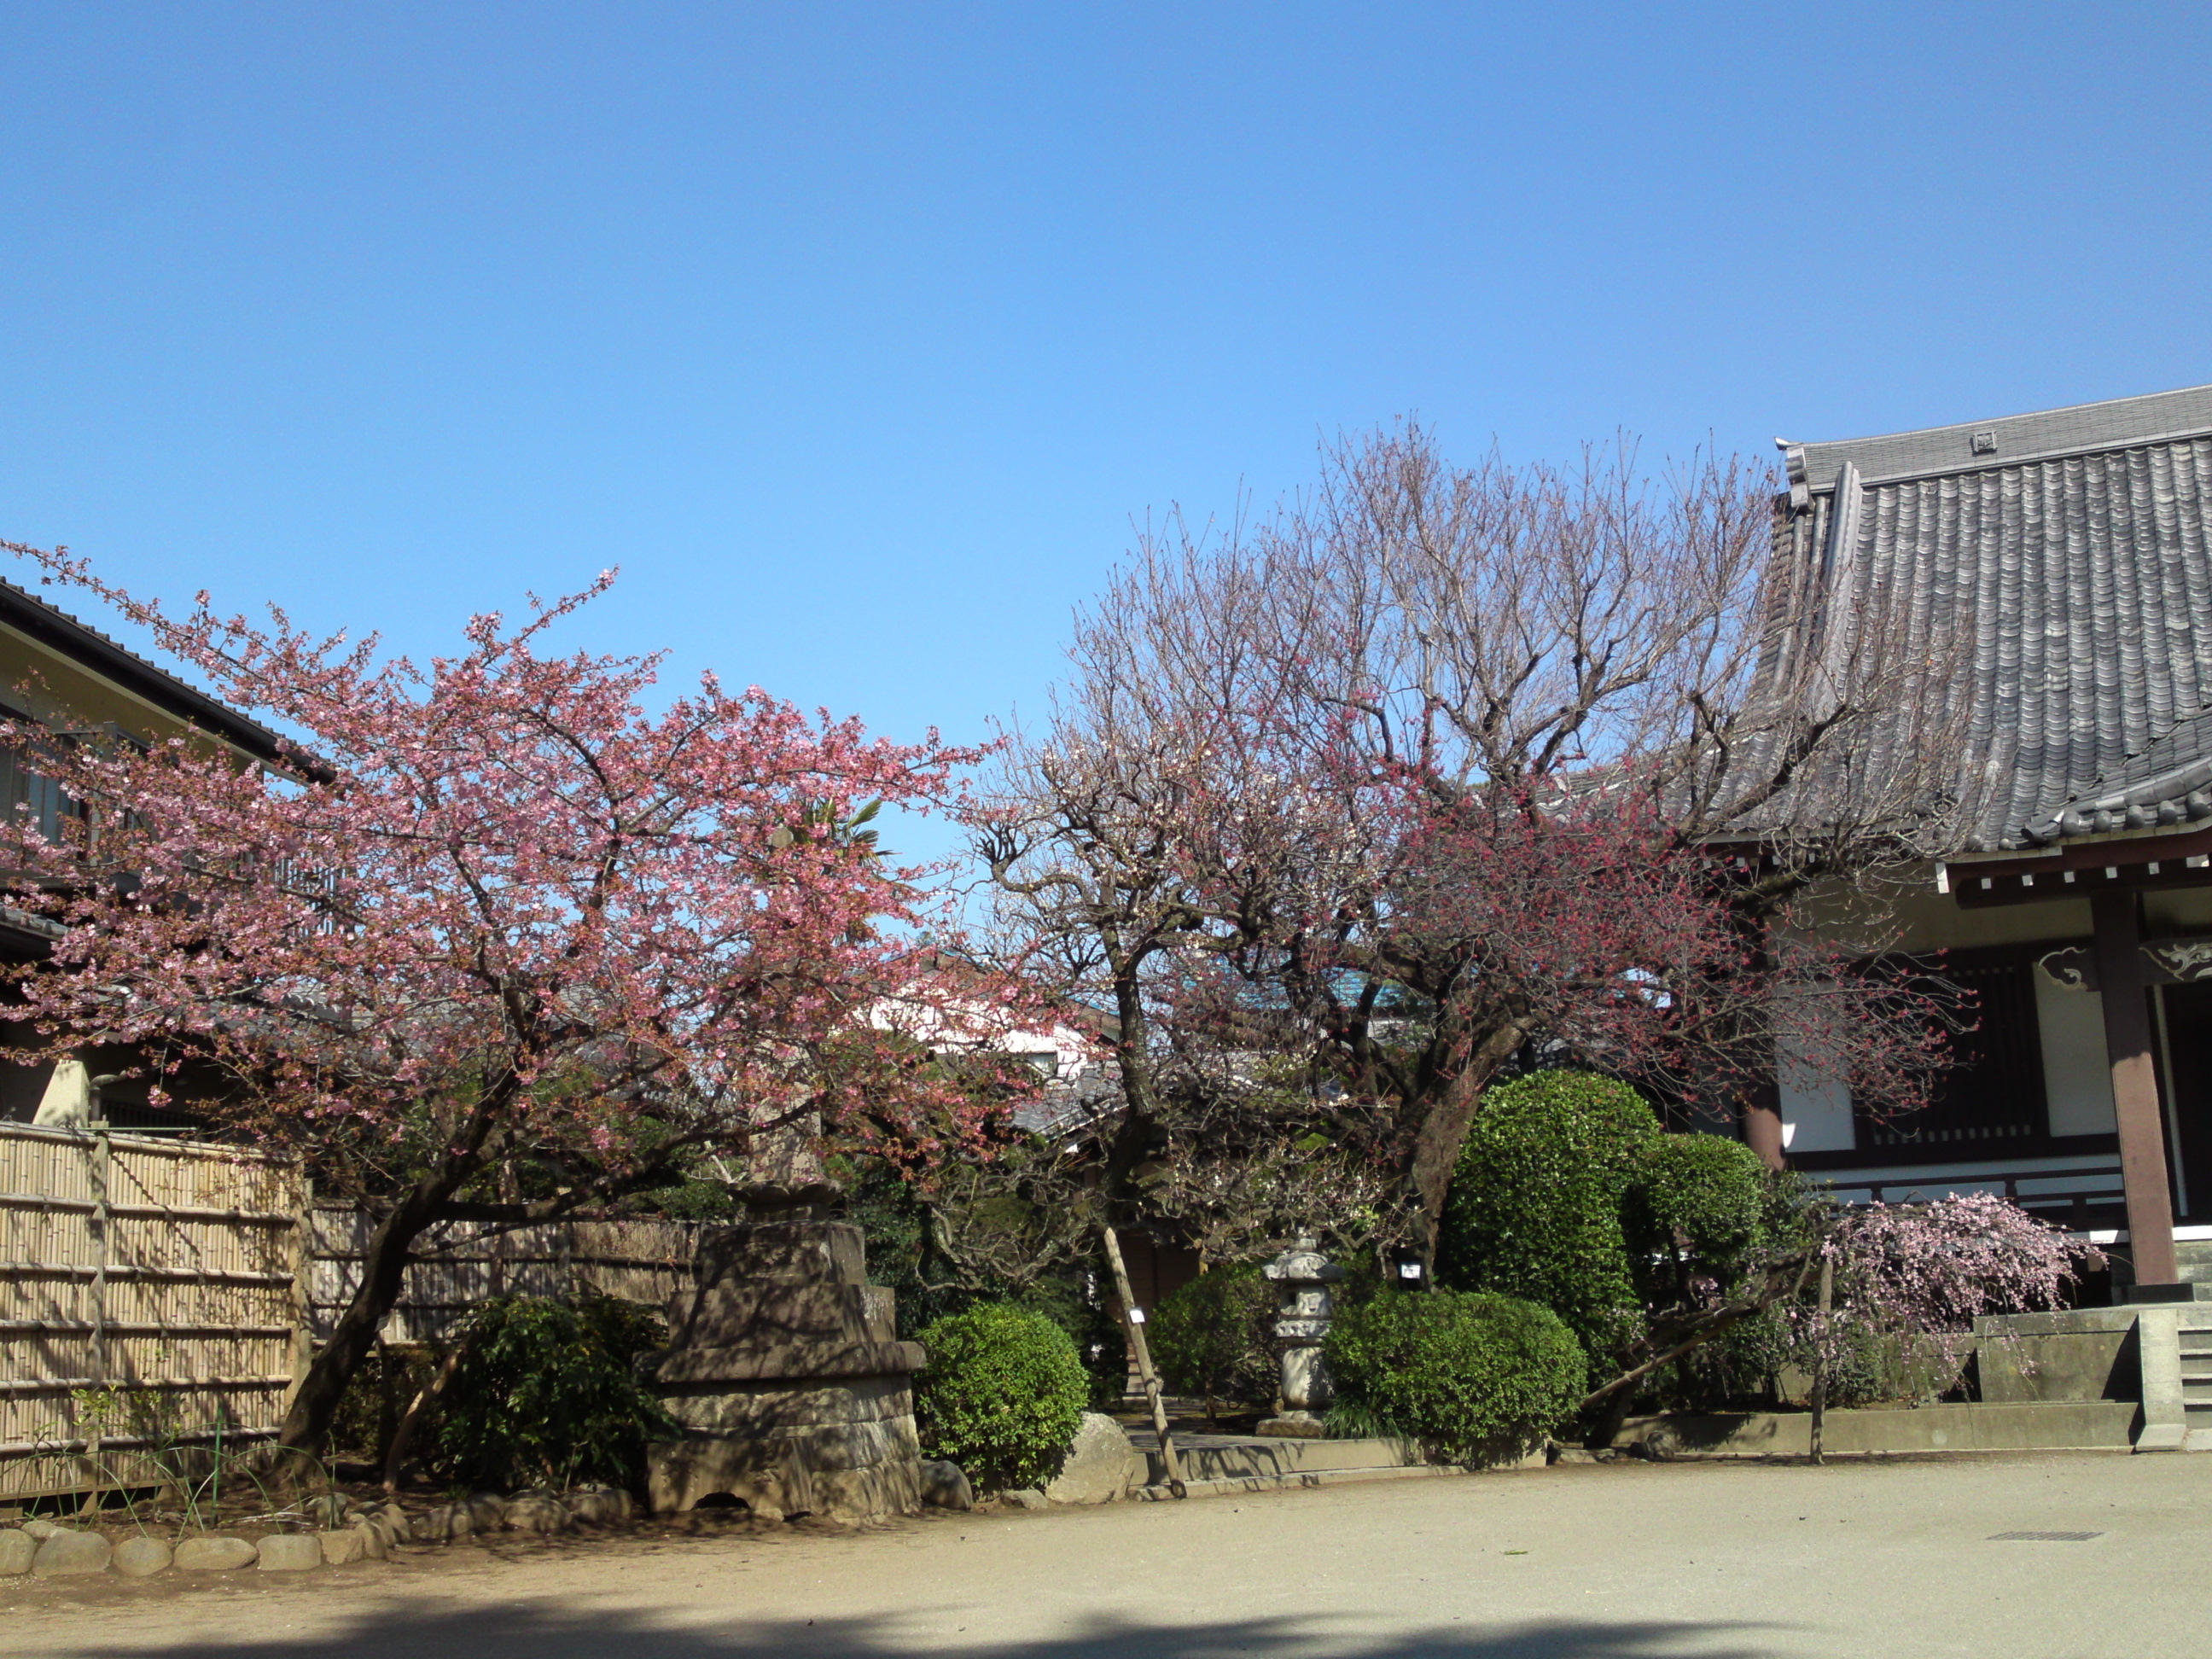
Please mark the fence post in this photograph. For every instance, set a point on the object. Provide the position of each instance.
(98, 1158)
(303, 1287)
(100, 1153)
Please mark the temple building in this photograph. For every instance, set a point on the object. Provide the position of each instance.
(2062, 562)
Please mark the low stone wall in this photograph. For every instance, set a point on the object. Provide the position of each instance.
(2085, 1353)
(2046, 1425)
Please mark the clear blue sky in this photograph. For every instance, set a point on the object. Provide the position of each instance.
(857, 335)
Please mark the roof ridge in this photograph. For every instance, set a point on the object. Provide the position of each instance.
(2101, 404)
(2003, 441)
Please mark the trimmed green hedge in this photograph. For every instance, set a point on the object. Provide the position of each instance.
(1535, 1210)
(1470, 1375)
(1694, 1208)
(1003, 1393)
(1214, 1337)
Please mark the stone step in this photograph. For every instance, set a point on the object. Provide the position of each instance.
(1229, 1488)
(1249, 1457)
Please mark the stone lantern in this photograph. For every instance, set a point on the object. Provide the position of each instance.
(1301, 1322)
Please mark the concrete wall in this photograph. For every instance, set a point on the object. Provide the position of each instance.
(2089, 1354)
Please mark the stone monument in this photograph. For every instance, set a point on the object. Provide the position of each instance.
(1300, 1324)
(784, 1364)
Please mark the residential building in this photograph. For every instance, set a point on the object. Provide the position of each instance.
(78, 683)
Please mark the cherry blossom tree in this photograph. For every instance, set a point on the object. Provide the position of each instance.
(1932, 1269)
(496, 939)
(1919, 1273)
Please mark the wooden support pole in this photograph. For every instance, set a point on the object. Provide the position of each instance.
(302, 1263)
(1820, 1355)
(1144, 1372)
(2135, 1087)
(1762, 1124)
(101, 1168)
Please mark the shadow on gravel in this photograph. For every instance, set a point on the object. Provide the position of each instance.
(512, 1633)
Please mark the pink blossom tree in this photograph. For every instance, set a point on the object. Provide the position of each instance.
(1923, 1273)
(495, 940)
(1932, 1269)
(1441, 769)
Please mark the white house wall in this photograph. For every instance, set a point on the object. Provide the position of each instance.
(1816, 1107)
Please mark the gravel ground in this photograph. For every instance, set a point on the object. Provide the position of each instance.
(1611, 1561)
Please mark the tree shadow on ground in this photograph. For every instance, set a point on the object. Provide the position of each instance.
(526, 1632)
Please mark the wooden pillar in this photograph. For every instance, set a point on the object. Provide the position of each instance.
(2135, 1087)
(1762, 1124)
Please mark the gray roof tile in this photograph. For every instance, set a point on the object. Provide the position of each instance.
(2079, 549)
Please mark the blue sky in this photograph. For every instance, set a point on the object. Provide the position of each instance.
(857, 336)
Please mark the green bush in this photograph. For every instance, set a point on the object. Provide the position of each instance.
(380, 1390)
(1469, 1375)
(1215, 1336)
(548, 1392)
(1002, 1395)
(1535, 1210)
(1694, 1209)
(895, 1218)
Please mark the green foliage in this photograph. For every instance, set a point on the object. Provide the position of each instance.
(1535, 1207)
(894, 1219)
(548, 1392)
(1002, 1395)
(1215, 1336)
(1694, 1209)
(378, 1392)
(688, 1200)
(1470, 1375)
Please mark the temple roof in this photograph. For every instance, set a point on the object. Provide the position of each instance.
(2071, 548)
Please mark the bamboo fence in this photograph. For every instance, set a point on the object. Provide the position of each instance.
(457, 1266)
(159, 1296)
(153, 1296)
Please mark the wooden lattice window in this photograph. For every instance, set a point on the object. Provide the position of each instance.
(1991, 1099)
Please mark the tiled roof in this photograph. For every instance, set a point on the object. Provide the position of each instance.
(2075, 544)
(84, 644)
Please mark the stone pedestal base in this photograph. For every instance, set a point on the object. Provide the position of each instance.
(1295, 1426)
(788, 1376)
(776, 1480)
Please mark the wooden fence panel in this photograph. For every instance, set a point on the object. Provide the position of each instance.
(149, 1296)
(460, 1265)
(157, 1294)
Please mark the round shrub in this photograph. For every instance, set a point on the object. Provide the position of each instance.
(1215, 1336)
(1469, 1375)
(547, 1392)
(1535, 1210)
(1003, 1393)
(1694, 1208)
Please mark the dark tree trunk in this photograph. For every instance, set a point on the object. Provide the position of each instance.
(1442, 1133)
(383, 1269)
(1132, 1136)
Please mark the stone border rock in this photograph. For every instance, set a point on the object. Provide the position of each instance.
(343, 1536)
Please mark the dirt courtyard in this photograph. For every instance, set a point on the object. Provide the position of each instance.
(1595, 1562)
